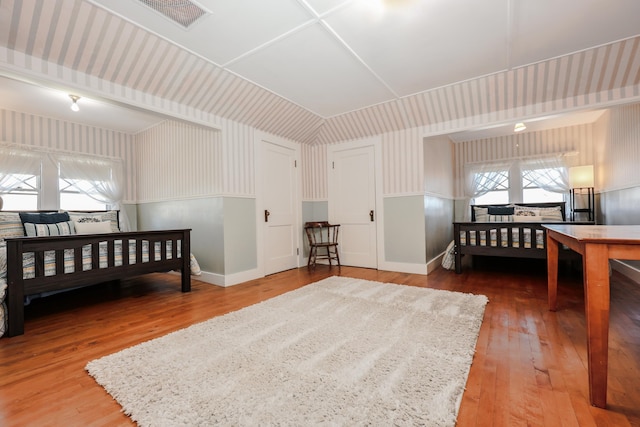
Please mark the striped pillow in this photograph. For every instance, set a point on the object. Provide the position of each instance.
(10, 225)
(500, 218)
(64, 228)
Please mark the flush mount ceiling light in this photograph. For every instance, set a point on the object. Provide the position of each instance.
(519, 127)
(74, 104)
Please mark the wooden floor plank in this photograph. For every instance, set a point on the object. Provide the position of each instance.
(529, 368)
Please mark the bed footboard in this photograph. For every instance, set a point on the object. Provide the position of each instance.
(44, 264)
(506, 239)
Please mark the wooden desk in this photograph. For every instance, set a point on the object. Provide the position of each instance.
(597, 244)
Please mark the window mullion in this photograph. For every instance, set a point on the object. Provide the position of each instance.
(515, 183)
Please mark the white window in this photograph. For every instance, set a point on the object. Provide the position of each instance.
(32, 180)
(23, 193)
(498, 181)
(522, 182)
(536, 181)
(74, 195)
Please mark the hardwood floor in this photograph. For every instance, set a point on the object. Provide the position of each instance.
(529, 368)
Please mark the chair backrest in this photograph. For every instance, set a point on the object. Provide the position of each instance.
(321, 232)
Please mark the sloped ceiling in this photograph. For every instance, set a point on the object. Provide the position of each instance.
(319, 71)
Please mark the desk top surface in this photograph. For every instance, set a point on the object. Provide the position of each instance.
(621, 234)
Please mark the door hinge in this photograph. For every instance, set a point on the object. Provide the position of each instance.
(333, 165)
(295, 163)
(297, 251)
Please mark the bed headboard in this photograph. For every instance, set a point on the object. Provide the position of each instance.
(562, 206)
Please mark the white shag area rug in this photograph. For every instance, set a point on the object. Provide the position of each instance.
(341, 351)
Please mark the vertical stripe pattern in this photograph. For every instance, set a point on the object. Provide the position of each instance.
(619, 152)
(402, 162)
(599, 76)
(77, 43)
(314, 173)
(178, 160)
(56, 135)
(238, 159)
(574, 141)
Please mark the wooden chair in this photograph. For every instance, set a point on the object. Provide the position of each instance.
(321, 234)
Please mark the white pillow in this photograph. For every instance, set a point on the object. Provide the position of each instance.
(525, 218)
(112, 216)
(551, 214)
(520, 211)
(481, 214)
(93, 227)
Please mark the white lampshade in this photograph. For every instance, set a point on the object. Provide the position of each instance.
(581, 176)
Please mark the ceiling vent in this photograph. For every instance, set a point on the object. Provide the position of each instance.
(183, 12)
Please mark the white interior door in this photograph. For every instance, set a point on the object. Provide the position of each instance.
(352, 204)
(280, 207)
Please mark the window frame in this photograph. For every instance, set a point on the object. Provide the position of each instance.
(69, 184)
(516, 185)
(35, 190)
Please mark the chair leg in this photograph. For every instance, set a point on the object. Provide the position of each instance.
(312, 257)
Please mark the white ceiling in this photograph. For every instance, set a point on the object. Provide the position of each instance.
(330, 57)
(17, 95)
(533, 125)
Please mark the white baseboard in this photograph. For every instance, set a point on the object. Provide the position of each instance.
(245, 276)
(629, 271)
(435, 263)
(228, 280)
(403, 267)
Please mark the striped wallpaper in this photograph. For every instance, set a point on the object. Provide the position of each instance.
(100, 53)
(595, 77)
(238, 159)
(176, 161)
(619, 152)
(314, 173)
(439, 167)
(577, 141)
(402, 163)
(56, 135)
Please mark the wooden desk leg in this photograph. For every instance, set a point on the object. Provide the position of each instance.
(597, 301)
(552, 271)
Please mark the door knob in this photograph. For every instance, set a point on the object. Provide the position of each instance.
(371, 215)
(266, 215)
